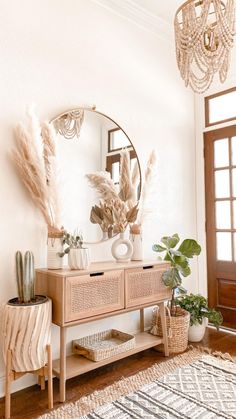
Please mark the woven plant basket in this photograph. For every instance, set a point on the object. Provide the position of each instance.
(103, 345)
(177, 328)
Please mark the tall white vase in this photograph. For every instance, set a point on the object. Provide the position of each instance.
(137, 242)
(55, 246)
(125, 257)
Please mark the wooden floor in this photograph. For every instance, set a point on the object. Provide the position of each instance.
(32, 402)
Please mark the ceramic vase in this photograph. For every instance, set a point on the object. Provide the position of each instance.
(79, 258)
(54, 247)
(196, 332)
(104, 235)
(137, 242)
(122, 257)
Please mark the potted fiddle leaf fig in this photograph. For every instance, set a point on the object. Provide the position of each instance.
(179, 256)
(78, 256)
(200, 313)
(179, 259)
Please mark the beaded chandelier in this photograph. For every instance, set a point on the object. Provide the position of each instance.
(204, 35)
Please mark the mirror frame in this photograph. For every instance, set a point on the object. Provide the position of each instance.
(93, 109)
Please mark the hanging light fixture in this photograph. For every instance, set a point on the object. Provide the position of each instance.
(204, 35)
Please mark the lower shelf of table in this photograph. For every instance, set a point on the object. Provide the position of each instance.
(77, 365)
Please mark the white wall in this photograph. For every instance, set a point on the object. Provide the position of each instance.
(63, 54)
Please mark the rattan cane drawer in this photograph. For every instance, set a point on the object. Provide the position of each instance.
(145, 285)
(90, 295)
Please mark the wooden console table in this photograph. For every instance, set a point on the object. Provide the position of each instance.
(106, 289)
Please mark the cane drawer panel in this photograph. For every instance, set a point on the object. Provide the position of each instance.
(89, 295)
(145, 285)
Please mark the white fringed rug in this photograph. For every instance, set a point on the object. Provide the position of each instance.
(188, 386)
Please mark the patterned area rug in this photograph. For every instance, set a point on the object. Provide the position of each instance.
(204, 388)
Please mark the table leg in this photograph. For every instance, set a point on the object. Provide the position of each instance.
(62, 364)
(50, 383)
(142, 320)
(8, 386)
(164, 328)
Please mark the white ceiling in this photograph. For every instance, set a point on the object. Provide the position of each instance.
(164, 9)
(156, 16)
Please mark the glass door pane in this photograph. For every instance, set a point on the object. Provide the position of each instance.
(224, 246)
(222, 189)
(223, 219)
(234, 182)
(221, 153)
(233, 148)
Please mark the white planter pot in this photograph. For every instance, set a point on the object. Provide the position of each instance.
(79, 258)
(26, 331)
(125, 257)
(137, 243)
(55, 246)
(196, 332)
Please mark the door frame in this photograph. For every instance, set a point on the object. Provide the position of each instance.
(223, 269)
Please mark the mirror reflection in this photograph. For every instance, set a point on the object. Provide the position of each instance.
(87, 142)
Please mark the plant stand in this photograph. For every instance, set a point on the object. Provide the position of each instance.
(12, 375)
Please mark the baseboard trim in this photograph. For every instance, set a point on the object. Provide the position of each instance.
(27, 380)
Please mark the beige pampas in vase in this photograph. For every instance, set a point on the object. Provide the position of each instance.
(146, 207)
(34, 157)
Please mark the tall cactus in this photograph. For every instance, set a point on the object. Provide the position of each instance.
(25, 276)
(19, 275)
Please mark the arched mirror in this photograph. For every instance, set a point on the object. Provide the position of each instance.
(87, 142)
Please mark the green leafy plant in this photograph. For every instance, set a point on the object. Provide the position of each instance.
(73, 241)
(179, 259)
(25, 276)
(198, 308)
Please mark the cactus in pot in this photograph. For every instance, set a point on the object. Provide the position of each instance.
(27, 319)
(25, 277)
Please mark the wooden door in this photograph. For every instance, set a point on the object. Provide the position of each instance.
(220, 192)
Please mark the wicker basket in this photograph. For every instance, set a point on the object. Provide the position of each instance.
(103, 345)
(177, 328)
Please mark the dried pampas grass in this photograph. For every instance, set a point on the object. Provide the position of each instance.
(50, 162)
(102, 182)
(34, 163)
(125, 206)
(146, 205)
(126, 190)
(31, 169)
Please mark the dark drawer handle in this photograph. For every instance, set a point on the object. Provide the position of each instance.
(148, 267)
(97, 274)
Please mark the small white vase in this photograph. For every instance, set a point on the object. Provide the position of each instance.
(125, 257)
(196, 332)
(79, 258)
(137, 242)
(55, 246)
(104, 235)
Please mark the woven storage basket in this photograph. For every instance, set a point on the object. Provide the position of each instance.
(103, 345)
(177, 328)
